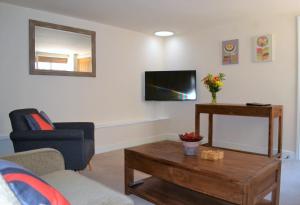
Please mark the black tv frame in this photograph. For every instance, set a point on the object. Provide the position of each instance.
(170, 100)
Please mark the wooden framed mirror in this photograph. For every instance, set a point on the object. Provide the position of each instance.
(61, 50)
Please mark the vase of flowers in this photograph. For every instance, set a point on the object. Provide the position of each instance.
(214, 83)
(190, 143)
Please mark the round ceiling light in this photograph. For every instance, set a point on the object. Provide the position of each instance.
(164, 33)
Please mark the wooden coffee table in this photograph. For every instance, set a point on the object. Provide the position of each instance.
(240, 178)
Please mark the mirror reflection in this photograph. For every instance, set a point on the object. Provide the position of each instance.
(59, 51)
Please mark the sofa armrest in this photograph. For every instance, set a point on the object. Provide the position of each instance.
(53, 135)
(87, 127)
(39, 161)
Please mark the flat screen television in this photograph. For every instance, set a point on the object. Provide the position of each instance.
(170, 85)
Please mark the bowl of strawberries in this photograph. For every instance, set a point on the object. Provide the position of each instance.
(190, 143)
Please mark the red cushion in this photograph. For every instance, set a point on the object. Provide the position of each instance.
(42, 124)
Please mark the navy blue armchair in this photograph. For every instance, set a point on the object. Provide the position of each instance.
(75, 140)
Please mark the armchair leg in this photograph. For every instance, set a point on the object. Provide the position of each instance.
(90, 166)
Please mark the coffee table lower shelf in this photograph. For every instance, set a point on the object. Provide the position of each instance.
(161, 192)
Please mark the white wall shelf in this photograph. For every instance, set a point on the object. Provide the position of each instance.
(99, 125)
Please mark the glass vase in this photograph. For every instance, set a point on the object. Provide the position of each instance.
(190, 148)
(213, 98)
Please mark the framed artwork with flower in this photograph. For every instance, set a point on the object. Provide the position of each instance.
(230, 52)
(263, 48)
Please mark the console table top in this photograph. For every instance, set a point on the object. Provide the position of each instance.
(239, 109)
(237, 105)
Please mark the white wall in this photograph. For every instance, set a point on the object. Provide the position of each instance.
(273, 82)
(114, 95)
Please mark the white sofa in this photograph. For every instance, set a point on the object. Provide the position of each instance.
(79, 190)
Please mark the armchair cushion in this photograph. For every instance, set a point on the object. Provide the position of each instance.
(38, 122)
(47, 118)
(28, 188)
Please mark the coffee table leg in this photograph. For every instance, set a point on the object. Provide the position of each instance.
(276, 191)
(129, 178)
(275, 197)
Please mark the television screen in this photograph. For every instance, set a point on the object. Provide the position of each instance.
(170, 85)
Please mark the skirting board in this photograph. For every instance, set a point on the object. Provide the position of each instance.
(287, 154)
(4, 136)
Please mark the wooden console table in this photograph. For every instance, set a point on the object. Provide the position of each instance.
(269, 112)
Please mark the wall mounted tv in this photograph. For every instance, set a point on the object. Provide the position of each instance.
(170, 85)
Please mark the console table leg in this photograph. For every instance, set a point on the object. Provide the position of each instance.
(271, 124)
(210, 130)
(197, 122)
(280, 134)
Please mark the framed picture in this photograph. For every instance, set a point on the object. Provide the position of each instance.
(230, 52)
(263, 48)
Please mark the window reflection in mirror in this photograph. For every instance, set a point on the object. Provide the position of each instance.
(60, 50)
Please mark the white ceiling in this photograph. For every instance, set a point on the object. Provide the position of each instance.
(148, 16)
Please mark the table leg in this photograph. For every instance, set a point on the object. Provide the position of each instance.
(271, 124)
(275, 197)
(129, 178)
(280, 134)
(210, 129)
(197, 122)
(276, 191)
(249, 197)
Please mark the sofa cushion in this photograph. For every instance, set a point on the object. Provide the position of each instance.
(28, 188)
(7, 197)
(80, 190)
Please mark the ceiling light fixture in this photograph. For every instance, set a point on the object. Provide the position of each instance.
(164, 33)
